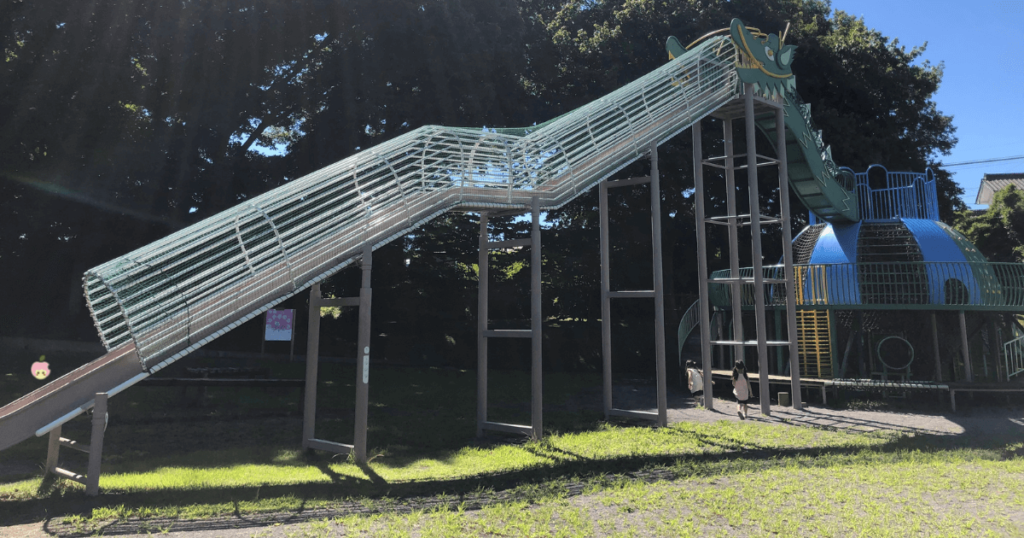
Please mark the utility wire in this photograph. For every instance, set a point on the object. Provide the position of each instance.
(1018, 157)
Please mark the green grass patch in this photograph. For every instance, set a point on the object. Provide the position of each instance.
(240, 455)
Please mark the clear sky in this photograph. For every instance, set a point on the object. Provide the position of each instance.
(981, 43)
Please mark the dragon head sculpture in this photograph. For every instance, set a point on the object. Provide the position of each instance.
(765, 62)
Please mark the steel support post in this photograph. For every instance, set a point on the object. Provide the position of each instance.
(965, 347)
(720, 332)
(735, 287)
(659, 290)
(936, 349)
(363, 357)
(99, 424)
(995, 348)
(312, 362)
(606, 305)
(481, 326)
(53, 450)
(787, 256)
(536, 325)
(702, 265)
(755, 247)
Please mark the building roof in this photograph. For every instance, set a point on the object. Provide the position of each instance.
(993, 183)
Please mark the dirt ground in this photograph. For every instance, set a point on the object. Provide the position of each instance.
(989, 421)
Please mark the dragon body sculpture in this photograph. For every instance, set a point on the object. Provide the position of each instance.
(765, 61)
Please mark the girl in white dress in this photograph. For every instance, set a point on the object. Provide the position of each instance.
(695, 380)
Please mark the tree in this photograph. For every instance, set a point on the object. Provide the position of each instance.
(129, 120)
(868, 95)
(998, 232)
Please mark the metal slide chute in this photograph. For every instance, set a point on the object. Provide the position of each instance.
(159, 303)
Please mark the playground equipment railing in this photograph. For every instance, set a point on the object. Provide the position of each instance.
(173, 296)
(1013, 351)
(881, 285)
(689, 321)
(908, 195)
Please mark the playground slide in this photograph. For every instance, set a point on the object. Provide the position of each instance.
(159, 303)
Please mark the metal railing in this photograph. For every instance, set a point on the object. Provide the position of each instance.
(689, 321)
(176, 294)
(908, 195)
(1013, 353)
(882, 285)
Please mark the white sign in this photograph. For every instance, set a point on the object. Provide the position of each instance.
(279, 325)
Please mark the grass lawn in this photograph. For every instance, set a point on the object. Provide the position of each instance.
(166, 465)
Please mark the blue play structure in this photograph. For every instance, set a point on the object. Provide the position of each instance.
(898, 257)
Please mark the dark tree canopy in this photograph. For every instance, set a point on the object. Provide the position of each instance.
(129, 119)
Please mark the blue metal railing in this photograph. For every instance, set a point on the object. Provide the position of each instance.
(908, 195)
(883, 285)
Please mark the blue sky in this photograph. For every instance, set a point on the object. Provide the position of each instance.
(981, 43)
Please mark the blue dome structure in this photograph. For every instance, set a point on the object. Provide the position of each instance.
(899, 241)
(898, 257)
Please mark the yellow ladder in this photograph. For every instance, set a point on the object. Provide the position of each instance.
(814, 343)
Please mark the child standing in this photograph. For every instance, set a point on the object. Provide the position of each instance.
(741, 388)
(695, 381)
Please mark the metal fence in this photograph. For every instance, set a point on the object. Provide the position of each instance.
(908, 195)
(1013, 351)
(174, 295)
(897, 285)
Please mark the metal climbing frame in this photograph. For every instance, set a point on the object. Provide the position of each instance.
(363, 302)
(735, 280)
(658, 294)
(484, 332)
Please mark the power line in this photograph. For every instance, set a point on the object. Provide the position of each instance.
(984, 161)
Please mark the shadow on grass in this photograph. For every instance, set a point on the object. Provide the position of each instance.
(348, 495)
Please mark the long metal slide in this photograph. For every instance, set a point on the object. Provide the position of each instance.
(159, 303)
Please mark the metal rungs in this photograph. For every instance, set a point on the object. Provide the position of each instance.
(638, 294)
(627, 182)
(748, 280)
(644, 415)
(74, 445)
(747, 343)
(328, 446)
(764, 161)
(511, 243)
(723, 157)
(507, 428)
(744, 220)
(759, 165)
(69, 475)
(341, 301)
(508, 333)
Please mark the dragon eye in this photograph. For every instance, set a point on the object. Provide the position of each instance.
(770, 53)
